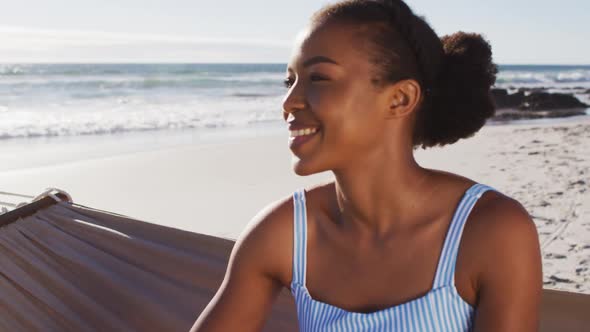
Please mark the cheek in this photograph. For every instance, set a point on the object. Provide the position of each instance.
(350, 117)
(335, 103)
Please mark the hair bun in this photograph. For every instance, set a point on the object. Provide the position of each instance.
(461, 100)
(469, 56)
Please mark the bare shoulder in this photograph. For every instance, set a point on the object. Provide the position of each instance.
(502, 229)
(268, 239)
(509, 269)
(257, 268)
(494, 214)
(499, 220)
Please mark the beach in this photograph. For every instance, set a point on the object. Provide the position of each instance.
(215, 182)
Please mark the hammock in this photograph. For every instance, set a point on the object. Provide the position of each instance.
(68, 267)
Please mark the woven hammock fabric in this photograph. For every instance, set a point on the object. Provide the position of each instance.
(73, 268)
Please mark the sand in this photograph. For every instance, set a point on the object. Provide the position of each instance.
(544, 165)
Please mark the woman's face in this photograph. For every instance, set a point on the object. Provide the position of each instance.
(334, 112)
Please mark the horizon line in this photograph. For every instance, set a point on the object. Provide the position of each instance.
(231, 63)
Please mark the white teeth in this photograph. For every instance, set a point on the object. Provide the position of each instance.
(302, 132)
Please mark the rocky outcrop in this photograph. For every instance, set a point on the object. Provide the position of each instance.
(505, 100)
(529, 90)
(515, 114)
(550, 101)
(535, 99)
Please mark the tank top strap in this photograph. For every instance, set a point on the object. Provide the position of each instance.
(299, 237)
(445, 271)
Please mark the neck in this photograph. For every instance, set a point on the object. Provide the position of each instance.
(382, 195)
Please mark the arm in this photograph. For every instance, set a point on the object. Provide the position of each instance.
(251, 282)
(511, 278)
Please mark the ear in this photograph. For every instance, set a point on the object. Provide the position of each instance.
(404, 97)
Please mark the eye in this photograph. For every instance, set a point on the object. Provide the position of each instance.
(288, 82)
(315, 78)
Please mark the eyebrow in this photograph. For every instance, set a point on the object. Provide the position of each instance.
(318, 59)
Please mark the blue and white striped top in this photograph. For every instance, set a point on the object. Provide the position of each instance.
(441, 309)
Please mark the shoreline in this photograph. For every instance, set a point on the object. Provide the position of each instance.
(53, 151)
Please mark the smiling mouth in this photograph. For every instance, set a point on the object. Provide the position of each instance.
(303, 132)
(300, 136)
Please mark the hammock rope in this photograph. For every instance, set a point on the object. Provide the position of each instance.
(51, 192)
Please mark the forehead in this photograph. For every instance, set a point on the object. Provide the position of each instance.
(339, 42)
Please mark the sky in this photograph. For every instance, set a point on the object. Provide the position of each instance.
(263, 31)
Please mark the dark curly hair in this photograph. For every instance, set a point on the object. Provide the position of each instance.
(455, 71)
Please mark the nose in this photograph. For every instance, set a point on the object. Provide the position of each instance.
(293, 101)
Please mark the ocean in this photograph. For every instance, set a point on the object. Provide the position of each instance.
(68, 100)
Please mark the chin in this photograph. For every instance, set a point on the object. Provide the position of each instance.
(303, 167)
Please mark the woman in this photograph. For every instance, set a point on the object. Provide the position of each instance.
(389, 245)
